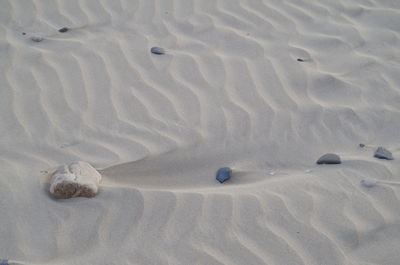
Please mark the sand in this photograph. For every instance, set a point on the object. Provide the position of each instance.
(229, 92)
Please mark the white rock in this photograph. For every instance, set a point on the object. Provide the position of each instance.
(369, 182)
(78, 179)
(37, 38)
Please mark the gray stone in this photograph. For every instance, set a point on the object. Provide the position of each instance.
(36, 38)
(157, 50)
(63, 30)
(223, 174)
(329, 159)
(382, 153)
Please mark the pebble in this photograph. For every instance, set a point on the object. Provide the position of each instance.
(300, 60)
(383, 153)
(37, 38)
(369, 182)
(223, 174)
(157, 50)
(64, 29)
(329, 159)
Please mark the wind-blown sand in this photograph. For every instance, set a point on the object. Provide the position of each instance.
(229, 92)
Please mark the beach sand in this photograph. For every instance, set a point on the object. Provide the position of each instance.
(228, 92)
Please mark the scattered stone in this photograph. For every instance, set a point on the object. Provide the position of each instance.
(329, 159)
(383, 153)
(37, 38)
(157, 50)
(369, 182)
(23, 33)
(300, 60)
(362, 145)
(223, 174)
(64, 29)
(78, 179)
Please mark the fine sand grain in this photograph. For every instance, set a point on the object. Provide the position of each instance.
(228, 92)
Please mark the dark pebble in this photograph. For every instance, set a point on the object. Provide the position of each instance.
(223, 174)
(330, 159)
(362, 145)
(62, 30)
(300, 60)
(157, 50)
(23, 33)
(382, 153)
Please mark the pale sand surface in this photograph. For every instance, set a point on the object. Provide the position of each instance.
(228, 92)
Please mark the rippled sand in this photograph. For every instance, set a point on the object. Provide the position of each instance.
(229, 91)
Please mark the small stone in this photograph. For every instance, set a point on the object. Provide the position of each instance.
(64, 29)
(36, 38)
(369, 182)
(362, 145)
(223, 174)
(383, 153)
(157, 50)
(23, 33)
(300, 60)
(329, 159)
(78, 179)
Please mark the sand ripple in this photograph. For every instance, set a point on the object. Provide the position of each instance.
(228, 92)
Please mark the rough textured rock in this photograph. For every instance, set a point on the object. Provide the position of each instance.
(382, 153)
(78, 179)
(223, 174)
(329, 159)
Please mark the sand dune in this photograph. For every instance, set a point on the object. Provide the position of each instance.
(228, 92)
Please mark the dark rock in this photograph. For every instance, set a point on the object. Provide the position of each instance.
(223, 174)
(64, 29)
(329, 159)
(23, 33)
(157, 50)
(362, 145)
(382, 153)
